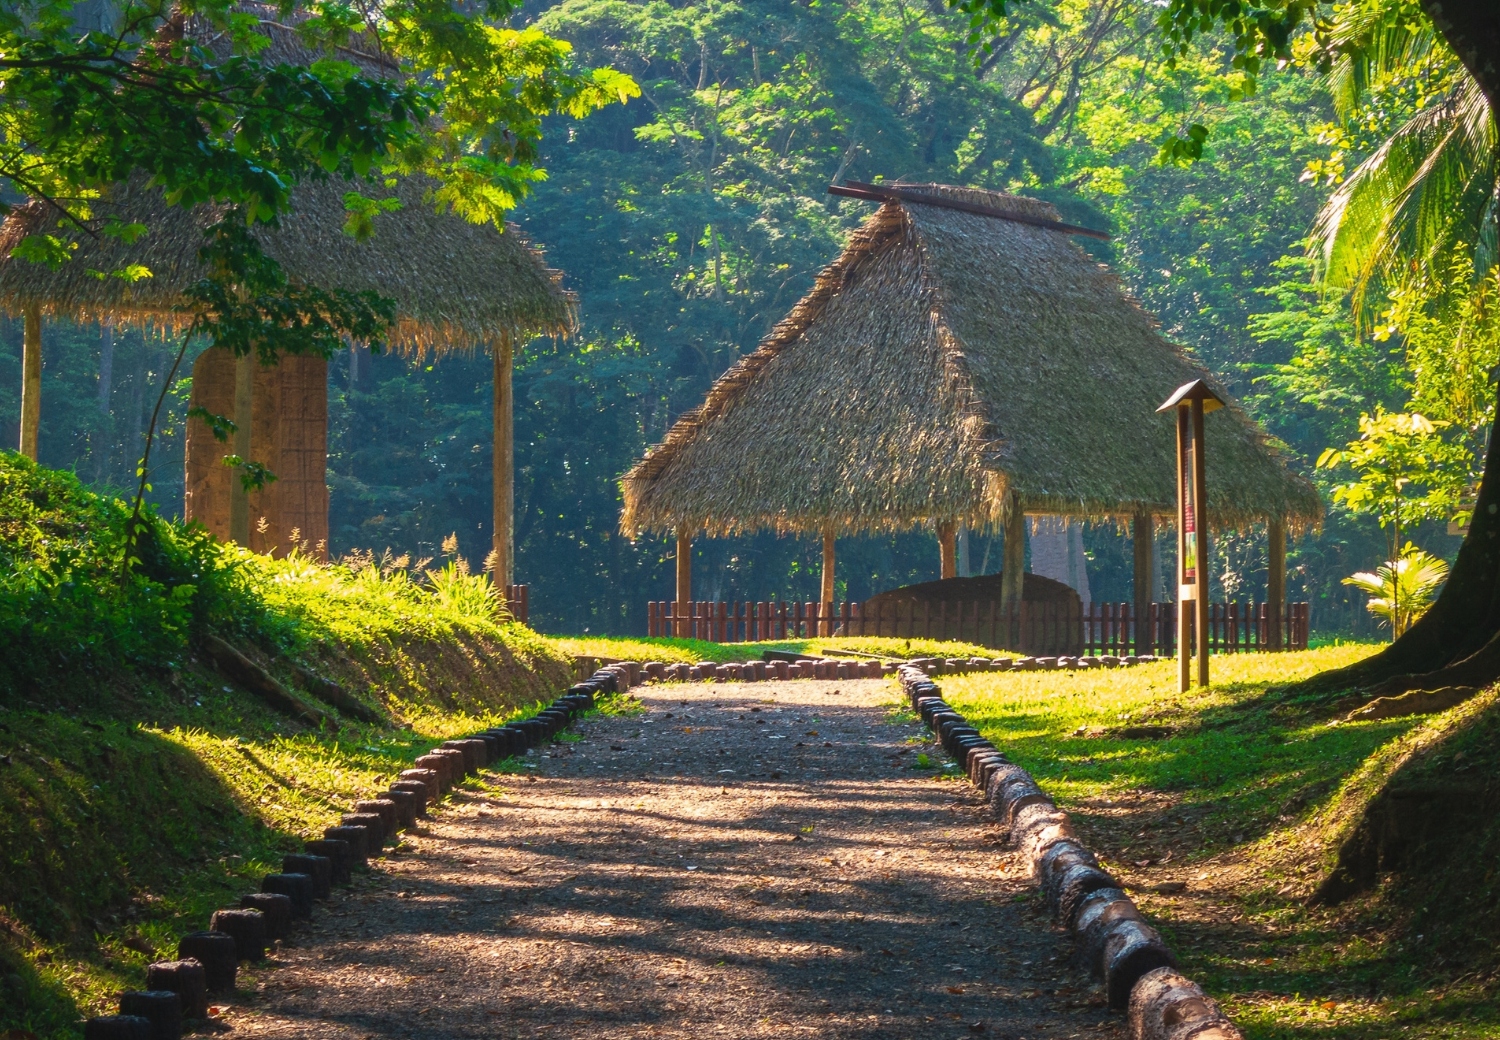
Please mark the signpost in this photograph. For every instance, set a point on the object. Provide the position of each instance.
(1191, 402)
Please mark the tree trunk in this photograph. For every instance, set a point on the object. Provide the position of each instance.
(1472, 29)
(947, 557)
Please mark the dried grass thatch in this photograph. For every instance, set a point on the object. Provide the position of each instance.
(945, 367)
(456, 284)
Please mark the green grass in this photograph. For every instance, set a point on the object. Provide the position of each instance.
(1251, 791)
(670, 650)
(139, 788)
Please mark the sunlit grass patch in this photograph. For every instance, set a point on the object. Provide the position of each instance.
(1243, 781)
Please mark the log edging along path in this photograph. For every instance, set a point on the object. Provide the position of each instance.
(1113, 939)
(208, 961)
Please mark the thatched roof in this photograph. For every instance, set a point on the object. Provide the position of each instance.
(946, 365)
(456, 284)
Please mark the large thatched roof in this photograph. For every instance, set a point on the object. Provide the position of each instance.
(943, 362)
(456, 284)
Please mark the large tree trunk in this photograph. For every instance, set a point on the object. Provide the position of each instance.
(1457, 642)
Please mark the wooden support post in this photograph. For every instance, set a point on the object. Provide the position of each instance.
(244, 408)
(1276, 579)
(502, 548)
(31, 381)
(684, 575)
(828, 580)
(1144, 530)
(947, 532)
(1189, 404)
(1013, 564)
(1200, 501)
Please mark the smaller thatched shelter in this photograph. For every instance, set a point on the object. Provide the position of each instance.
(962, 363)
(457, 286)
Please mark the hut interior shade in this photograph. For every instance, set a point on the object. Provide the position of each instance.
(951, 368)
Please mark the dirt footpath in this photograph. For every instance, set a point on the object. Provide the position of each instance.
(739, 860)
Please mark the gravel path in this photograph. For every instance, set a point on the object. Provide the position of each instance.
(737, 860)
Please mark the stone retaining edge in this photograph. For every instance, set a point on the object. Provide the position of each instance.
(1113, 939)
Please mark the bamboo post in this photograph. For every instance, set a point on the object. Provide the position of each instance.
(31, 381)
(947, 550)
(684, 574)
(1276, 576)
(1013, 565)
(503, 467)
(244, 405)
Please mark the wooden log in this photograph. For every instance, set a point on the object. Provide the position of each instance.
(258, 681)
(330, 692)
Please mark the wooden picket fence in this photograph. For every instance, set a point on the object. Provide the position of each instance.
(518, 602)
(1038, 629)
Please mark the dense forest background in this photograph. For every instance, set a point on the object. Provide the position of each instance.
(690, 220)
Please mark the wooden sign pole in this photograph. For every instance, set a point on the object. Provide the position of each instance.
(1190, 403)
(1200, 536)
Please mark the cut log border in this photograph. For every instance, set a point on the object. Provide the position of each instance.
(329, 859)
(1113, 939)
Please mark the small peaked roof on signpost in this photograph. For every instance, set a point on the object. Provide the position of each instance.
(456, 285)
(953, 362)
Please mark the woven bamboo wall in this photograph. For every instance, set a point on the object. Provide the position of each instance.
(289, 435)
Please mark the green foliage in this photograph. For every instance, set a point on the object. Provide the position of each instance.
(1423, 198)
(60, 597)
(1397, 451)
(1402, 589)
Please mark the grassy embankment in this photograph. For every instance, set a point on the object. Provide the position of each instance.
(1223, 810)
(140, 788)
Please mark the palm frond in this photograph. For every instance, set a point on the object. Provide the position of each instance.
(1427, 193)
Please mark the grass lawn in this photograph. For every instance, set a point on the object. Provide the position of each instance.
(1216, 808)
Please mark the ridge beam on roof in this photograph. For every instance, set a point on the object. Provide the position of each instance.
(881, 193)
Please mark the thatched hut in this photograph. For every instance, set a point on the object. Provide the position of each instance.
(457, 286)
(962, 362)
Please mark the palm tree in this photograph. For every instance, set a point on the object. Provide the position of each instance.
(1402, 589)
(1427, 195)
